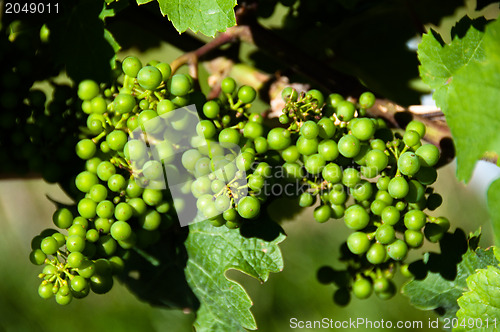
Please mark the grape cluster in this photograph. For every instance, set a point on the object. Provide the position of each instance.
(140, 162)
(153, 153)
(359, 170)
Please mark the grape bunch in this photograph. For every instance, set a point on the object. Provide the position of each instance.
(140, 165)
(359, 170)
(154, 155)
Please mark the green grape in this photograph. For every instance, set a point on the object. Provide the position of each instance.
(105, 209)
(62, 218)
(376, 254)
(75, 259)
(377, 206)
(120, 230)
(411, 138)
(98, 105)
(123, 211)
(131, 66)
(385, 234)
(248, 207)
(253, 130)
(244, 161)
(350, 177)
(306, 146)
(377, 160)
(246, 94)
(377, 144)
(415, 219)
(278, 138)
(230, 136)
(150, 221)
(334, 99)
(206, 128)
(85, 149)
(85, 180)
(362, 191)
(116, 140)
(417, 126)
(45, 290)
(408, 163)
(289, 93)
(124, 103)
(366, 100)
(75, 243)
(349, 146)
(390, 215)
(165, 70)
(211, 109)
(316, 94)
(84, 223)
(164, 108)
(398, 187)
(261, 145)
(135, 150)
(77, 230)
(358, 243)
(363, 129)
(228, 85)
(152, 197)
(87, 208)
(384, 196)
(338, 196)
(362, 288)
(98, 192)
(37, 257)
(428, 155)
(105, 170)
(322, 213)
(328, 149)
(414, 238)
(315, 164)
(63, 299)
(309, 130)
(397, 250)
(345, 110)
(326, 128)
(87, 90)
(256, 182)
(356, 217)
(383, 182)
(179, 85)
(306, 200)
(116, 183)
(332, 173)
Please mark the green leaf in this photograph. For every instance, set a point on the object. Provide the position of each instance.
(205, 16)
(466, 76)
(494, 208)
(225, 306)
(439, 64)
(441, 279)
(481, 302)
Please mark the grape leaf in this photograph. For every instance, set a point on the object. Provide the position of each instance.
(445, 278)
(469, 94)
(494, 208)
(225, 306)
(205, 16)
(440, 63)
(482, 301)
